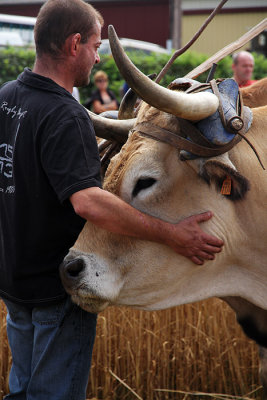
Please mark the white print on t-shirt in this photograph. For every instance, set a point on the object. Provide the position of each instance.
(14, 111)
(6, 160)
(6, 165)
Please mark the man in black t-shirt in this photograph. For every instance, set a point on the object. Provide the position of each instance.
(49, 185)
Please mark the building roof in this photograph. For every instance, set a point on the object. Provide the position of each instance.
(19, 2)
(210, 4)
(186, 4)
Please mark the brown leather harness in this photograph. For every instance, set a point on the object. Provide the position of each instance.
(198, 143)
(187, 137)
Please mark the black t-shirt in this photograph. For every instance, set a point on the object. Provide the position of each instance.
(48, 151)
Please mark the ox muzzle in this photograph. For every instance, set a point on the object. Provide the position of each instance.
(72, 271)
(81, 276)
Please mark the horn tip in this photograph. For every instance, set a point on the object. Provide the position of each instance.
(111, 29)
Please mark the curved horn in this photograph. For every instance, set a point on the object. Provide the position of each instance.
(126, 110)
(188, 106)
(111, 129)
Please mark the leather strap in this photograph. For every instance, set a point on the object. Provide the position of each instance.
(163, 135)
(199, 144)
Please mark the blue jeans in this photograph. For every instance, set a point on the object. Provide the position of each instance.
(51, 351)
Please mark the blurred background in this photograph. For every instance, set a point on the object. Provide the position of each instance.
(195, 351)
(149, 30)
(168, 23)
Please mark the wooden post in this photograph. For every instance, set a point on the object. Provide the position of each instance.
(177, 24)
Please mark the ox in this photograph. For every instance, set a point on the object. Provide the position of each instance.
(105, 269)
(255, 95)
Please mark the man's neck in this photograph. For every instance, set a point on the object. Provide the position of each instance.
(54, 69)
(241, 82)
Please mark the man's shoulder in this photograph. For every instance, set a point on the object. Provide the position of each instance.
(8, 85)
(248, 83)
(65, 113)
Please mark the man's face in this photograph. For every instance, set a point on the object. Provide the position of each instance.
(88, 57)
(244, 68)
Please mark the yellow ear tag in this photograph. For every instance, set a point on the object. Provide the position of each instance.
(226, 186)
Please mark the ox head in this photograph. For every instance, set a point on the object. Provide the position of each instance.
(105, 269)
(173, 103)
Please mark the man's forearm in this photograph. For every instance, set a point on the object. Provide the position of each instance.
(113, 214)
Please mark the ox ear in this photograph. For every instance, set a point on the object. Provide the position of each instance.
(224, 174)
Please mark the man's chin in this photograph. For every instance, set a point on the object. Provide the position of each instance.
(82, 83)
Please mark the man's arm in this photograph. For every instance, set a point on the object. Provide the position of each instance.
(98, 107)
(111, 213)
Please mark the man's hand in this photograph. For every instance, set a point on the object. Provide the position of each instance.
(190, 241)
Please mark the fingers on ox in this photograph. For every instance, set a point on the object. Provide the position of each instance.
(221, 171)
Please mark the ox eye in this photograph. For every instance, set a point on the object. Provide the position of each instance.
(142, 183)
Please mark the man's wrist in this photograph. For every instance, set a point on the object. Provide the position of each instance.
(165, 232)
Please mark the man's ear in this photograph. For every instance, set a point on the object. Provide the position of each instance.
(72, 44)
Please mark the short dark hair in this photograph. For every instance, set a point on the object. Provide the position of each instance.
(58, 19)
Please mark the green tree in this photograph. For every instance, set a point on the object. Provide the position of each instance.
(14, 60)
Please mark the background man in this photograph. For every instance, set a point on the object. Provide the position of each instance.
(243, 65)
(49, 185)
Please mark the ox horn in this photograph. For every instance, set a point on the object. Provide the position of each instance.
(127, 110)
(193, 107)
(111, 129)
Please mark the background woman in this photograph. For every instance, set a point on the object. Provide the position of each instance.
(102, 99)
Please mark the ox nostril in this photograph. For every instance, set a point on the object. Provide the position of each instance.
(75, 267)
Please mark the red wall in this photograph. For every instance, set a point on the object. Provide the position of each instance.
(26, 10)
(143, 20)
(140, 20)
